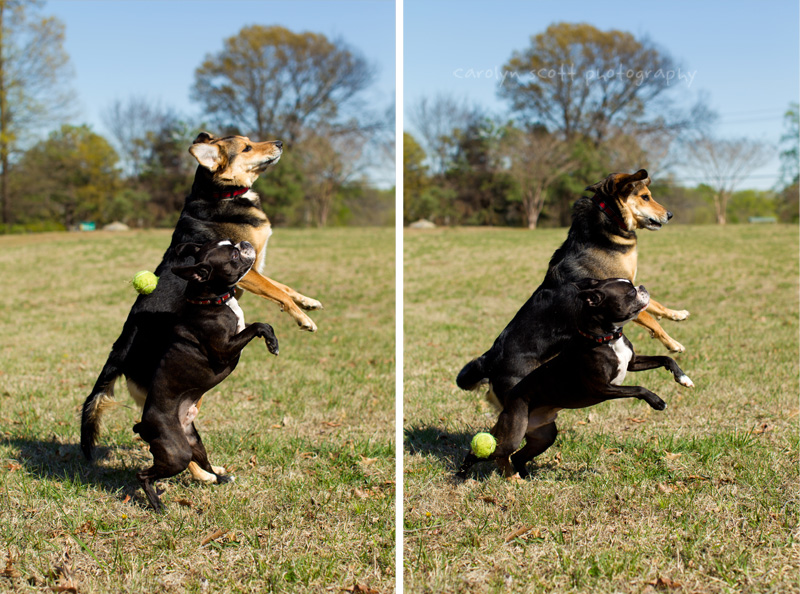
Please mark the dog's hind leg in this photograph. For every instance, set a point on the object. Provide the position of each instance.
(536, 442)
(657, 332)
(200, 466)
(171, 454)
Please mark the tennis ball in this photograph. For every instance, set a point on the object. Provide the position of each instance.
(483, 444)
(145, 282)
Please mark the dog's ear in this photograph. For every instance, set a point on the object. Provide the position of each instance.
(591, 297)
(586, 283)
(607, 186)
(207, 155)
(199, 273)
(184, 250)
(639, 176)
(203, 137)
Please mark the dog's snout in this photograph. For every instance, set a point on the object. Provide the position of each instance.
(279, 144)
(669, 215)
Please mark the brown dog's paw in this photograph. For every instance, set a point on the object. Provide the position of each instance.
(308, 303)
(305, 322)
(672, 345)
(678, 316)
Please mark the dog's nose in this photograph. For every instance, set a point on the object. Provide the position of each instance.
(669, 215)
(279, 144)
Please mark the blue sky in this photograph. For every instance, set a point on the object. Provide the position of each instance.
(149, 48)
(743, 54)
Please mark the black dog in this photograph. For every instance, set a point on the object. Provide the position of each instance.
(202, 349)
(221, 206)
(601, 243)
(588, 371)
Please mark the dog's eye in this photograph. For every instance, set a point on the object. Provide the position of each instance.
(235, 254)
(645, 197)
(247, 149)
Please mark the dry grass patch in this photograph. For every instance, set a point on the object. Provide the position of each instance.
(308, 435)
(699, 498)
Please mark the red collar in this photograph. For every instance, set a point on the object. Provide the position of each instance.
(603, 205)
(219, 300)
(601, 338)
(230, 193)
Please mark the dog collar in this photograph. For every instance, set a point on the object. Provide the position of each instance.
(609, 212)
(219, 300)
(601, 338)
(232, 193)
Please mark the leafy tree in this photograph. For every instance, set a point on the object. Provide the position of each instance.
(34, 71)
(415, 177)
(272, 83)
(71, 176)
(583, 81)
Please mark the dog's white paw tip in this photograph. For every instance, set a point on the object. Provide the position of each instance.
(685, 381)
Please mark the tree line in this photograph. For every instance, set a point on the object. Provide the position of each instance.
(266, 82)
(583, 103)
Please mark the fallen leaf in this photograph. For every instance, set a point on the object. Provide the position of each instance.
(518, 532)
(635, 420)
(127, 499)
(12, 466)
(664, 582)
(671, 456)
(367, 461)
(10, 571)
(488, 499)
(307, 455)
(762, 428)
(332, 424)
(184, 503)
(361, 589)
(665, 488)
(213, 536)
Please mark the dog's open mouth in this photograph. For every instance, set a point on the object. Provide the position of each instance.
(264, 164)
(653, 224)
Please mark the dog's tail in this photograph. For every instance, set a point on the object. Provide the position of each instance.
(102, 395)
(472, 375)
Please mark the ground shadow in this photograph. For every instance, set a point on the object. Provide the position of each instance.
(64, 462)
(451, 448)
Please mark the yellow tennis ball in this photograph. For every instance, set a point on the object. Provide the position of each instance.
(145, 282)
(483, 444)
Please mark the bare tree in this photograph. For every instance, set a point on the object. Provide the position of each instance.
(329, 159)
(435, 121)
(535, 159)
(724, 164)
(34, 71)
(133, 125)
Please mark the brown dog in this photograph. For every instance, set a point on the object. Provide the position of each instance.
(221, 206)
(601, 244)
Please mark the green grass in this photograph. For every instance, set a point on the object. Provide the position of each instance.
(309, 435)
(699, 498)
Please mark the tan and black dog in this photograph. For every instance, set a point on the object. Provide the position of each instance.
(221, 206)
(601, 243)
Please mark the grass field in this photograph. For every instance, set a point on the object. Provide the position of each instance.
(309, 435)
(699, 498)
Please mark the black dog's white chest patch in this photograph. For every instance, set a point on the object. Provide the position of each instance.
(624, 355)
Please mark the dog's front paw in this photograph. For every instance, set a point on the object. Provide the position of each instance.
(685, 381)
(678, 316)
(656, 402)
(308, 303)
(673, 345)
(225, 478)
(306, 323)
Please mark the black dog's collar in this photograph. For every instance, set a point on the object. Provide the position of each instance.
(231, 193)
(609, 212)
(219, 300)
(601, 338)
